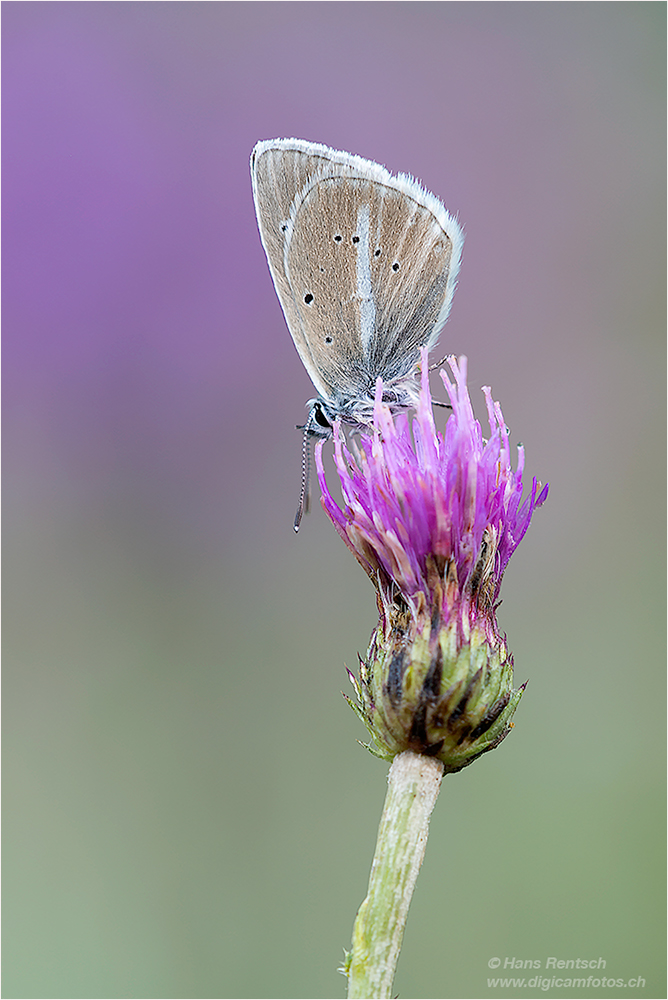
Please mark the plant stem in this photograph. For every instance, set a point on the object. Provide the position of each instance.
(413, 785)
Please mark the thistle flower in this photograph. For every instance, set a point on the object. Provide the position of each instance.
(433, 519)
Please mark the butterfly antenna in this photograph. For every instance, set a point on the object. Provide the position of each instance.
(304, 494)
(437, 364)
(433, 368)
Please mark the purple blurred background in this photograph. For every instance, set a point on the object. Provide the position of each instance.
(185, 802)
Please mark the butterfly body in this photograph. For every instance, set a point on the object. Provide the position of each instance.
(364, 264)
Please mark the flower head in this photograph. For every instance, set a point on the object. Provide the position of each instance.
(434, 519)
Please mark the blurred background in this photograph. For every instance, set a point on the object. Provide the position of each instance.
(187, 812)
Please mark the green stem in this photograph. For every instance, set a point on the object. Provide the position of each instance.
(413, 785)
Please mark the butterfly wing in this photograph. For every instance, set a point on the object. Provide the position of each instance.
(364, 263)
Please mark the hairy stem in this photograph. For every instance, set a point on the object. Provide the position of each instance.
(413, 785)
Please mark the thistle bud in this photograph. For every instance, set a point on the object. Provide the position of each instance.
(433, 519)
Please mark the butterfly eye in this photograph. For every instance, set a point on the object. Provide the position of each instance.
(320, 417)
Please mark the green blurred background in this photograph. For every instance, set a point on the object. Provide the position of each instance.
(187, 812)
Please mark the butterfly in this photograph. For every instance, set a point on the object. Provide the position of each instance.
(364, 264)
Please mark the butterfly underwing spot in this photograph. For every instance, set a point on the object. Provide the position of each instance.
(356, 239)
(308, 298)
(396, 265)
(329, 339)
(377, 252)
(338, 238)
